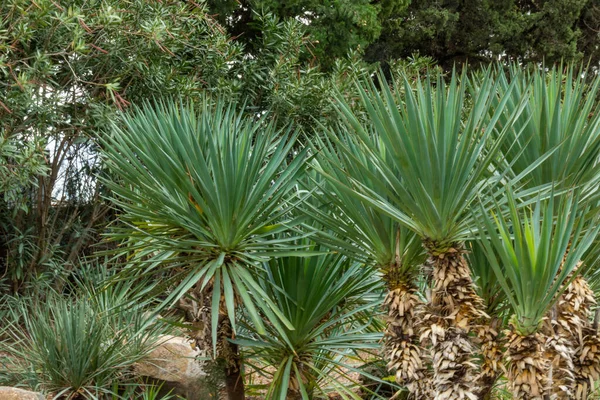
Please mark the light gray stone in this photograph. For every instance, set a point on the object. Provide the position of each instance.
(174, 363)
(10, 393)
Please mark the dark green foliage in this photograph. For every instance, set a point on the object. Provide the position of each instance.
(66, 68)
(335, 27)
(453, 32)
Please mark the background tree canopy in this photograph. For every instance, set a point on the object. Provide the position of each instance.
(335, 27)
(449, 31)
(482, 31)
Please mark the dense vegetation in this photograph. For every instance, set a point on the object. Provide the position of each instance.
(323, 196)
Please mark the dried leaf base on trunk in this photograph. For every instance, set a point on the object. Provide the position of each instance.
(454, 366)
(449, 319)
(229, 352)
(401, 349)
(294, 390)
(559, 353)
(490, 348)
(587, 365)
(573, 313)
(527, 367)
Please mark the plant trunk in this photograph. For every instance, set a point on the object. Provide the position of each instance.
(491, 352)
(294, 392)
(587, 365)
(559, 352)
(401, 349)
(229, 352)
(528, 367)
(197, 308)
(451, 315)
(573, 326)
(234, 381)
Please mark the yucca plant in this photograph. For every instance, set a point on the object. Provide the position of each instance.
(72, 348)
(352, 226)
(439, 154)
(560, 123)
(141, 392)
(533, 252)
(202, 191)
(331, 302)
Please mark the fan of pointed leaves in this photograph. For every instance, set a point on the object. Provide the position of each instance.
(439, 145)
(202, 191)
(559, 123)
(331, 301)
(350, 224)
(532, 250)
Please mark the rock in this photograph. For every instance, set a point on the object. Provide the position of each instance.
(174, 364)
(10, 393)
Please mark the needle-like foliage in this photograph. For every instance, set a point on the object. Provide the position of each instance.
(560, 122)
(351, 224)
(330, 301)
(202, 190)
(438, 150)
(532, 251)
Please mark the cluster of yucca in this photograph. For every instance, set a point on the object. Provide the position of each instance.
(502, 166)
(474, 195)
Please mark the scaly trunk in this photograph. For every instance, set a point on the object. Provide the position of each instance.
(574, 311)
(491, 352)
(559, 352)
(587, 365)
(450, 317)
(559, 329)
(527, 367)
(401, 349)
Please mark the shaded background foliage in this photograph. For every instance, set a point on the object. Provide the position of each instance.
(335, 27)
(66, 68)
(481, 31)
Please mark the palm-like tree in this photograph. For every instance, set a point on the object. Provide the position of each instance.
(202, 191)
(438, 158)
(533, 252)
(353, 227)
(561, 124)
